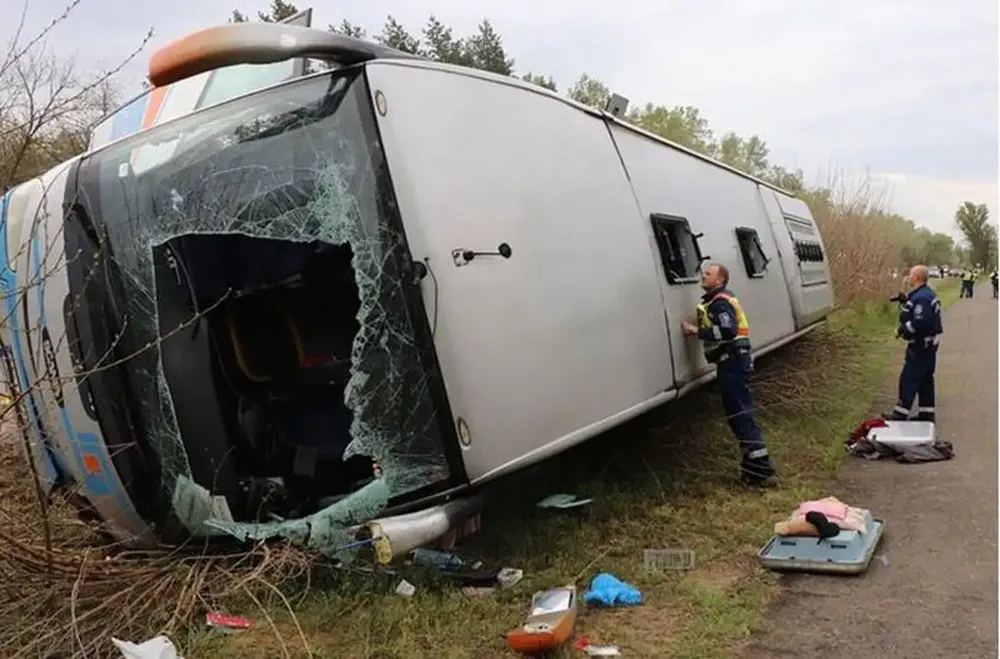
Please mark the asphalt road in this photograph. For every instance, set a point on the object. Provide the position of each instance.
(932, 590)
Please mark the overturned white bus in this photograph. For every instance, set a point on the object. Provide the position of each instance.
(362, 294)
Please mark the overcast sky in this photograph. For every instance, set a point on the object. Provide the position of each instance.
(903, 89)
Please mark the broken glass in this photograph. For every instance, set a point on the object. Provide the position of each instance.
(300, 163)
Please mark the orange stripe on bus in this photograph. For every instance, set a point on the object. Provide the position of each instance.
(92, 464)
(154, 105)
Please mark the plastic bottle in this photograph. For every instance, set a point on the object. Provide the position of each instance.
(434, 558)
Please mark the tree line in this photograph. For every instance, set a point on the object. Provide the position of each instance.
(973, 220)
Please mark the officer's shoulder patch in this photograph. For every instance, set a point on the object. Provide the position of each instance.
(725, 319)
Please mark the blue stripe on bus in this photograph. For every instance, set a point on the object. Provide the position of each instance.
(128, 120)
(98, 483)
(8, 288)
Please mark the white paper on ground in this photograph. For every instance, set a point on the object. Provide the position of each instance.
(158, 647)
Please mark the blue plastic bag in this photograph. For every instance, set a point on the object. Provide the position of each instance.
(608, 590)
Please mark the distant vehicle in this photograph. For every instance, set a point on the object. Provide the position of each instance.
(379, 288)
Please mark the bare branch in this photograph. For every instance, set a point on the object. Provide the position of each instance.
(47, 108)
(13, 55)
(17, 32)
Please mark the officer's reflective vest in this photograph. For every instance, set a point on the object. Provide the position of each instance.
(714, 348)
(969, 276)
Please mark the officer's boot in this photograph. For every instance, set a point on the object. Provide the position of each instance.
(752, 480)
(895, 415)
(757, 470)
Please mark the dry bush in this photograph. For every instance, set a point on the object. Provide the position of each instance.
(862, 242)
(68, 600)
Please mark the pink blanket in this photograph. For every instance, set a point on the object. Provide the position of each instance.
(835, 510)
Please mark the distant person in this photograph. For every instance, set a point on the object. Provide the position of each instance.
(724, 332)
(993, 282)
(921, 325)
(968, 278)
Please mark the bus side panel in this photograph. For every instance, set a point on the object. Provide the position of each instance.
(568, 331)
(715, 202)
(786, 248)
(808, 277)
(74, 435)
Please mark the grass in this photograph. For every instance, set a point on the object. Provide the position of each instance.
(663, 481)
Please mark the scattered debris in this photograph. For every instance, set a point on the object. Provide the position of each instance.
(406, 589)
(583, 644)
(487, 578)
(442, 560)
(358, 544)
(434, 558)
(608, 590)
(883, 559)
(158, 647)
(658, 560)
(861, 432)
(549, 623)
(509, 576)
(470, 526)
(505, 578)
(362, 568)
(471, 578)
(824, 518)
(473, 591)
(908, 442)
(562, 501)
(824, 536)
(872, 449)
(227, 623)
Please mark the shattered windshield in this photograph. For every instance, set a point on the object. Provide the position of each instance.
(299, 163)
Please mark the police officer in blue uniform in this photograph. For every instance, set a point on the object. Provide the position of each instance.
(724, 331)
(921, 325)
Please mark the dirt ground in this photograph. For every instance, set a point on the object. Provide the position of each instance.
(932, 590)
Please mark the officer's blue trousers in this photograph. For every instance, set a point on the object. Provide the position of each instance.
(734, 386)
(916, 380)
